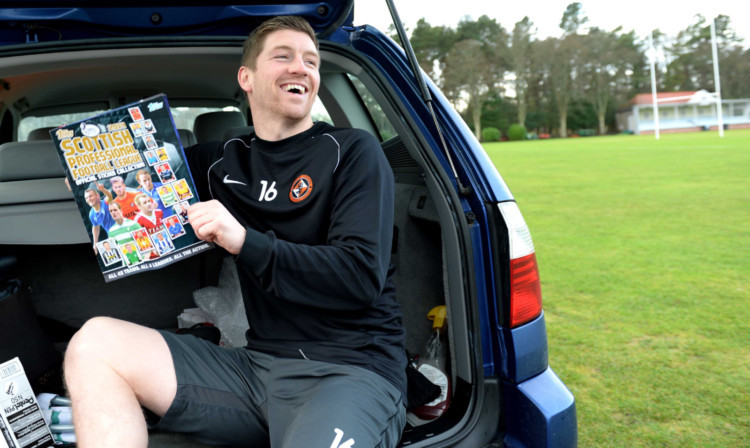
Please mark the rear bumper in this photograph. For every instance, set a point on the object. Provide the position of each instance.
(539, 412)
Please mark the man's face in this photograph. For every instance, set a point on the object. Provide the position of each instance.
(119, 188)
(146, 182)
(116, 213)
(285, 83)
(146, 205)
(92, 199)
(106, 246)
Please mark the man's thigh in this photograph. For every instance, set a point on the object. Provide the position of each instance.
(326, 405)
(135, 353)
(220, 394)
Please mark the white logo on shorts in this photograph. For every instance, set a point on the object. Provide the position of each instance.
(337, 441)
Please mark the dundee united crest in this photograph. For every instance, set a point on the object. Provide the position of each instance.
(301, 188)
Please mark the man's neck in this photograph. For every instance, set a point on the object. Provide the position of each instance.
(280, 130)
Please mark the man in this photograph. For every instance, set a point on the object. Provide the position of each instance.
(131, 254)
(307, 210)
(167, 196)
(122, 227)
(99, 213)
(165, 172)
(110, 255)
(175, 228)
(163, 244)
(125, 198)
(148, 186)
(148, 216)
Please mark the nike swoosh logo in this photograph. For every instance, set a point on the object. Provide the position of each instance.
(227, 180)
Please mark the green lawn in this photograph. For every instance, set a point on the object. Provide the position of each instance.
(644, 252)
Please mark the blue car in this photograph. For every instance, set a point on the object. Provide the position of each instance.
(460, 240)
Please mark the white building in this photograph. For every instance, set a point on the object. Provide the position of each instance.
(682, 112)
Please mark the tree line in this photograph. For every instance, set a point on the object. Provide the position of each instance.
(561, 85)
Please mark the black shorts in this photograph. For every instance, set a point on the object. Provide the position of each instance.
(240, 397)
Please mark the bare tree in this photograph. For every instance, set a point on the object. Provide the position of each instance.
(520, 59)
(573, 19)
(466, 77)
(475, 65)
(609, 59)
(431, 45)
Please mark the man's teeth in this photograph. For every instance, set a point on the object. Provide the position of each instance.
(299, 88)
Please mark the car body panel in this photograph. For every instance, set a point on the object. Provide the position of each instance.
(545, 413)
(32, 21)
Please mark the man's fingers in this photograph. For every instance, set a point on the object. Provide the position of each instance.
(205, 231)
(212, 222)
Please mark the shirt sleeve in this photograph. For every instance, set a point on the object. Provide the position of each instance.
(350, 271)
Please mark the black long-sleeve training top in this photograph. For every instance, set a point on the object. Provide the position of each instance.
(315, 265)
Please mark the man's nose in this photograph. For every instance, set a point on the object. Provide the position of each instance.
(298, 65)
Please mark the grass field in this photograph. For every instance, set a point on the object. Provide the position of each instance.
(644, 252)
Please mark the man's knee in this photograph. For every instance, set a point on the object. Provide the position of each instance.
(89, 343)
(107, 349)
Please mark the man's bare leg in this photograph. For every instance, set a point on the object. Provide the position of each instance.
(112, 367)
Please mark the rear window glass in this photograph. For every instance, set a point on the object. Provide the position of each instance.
(28, 124)
(184, 117)
(384, 126)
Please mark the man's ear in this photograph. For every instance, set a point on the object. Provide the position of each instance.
(245, 79)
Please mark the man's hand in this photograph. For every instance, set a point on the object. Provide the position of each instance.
(212, 222)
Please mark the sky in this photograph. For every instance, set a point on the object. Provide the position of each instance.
(670, 16)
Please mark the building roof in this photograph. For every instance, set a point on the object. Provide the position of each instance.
(672, 97)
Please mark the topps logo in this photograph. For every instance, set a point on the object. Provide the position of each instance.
(155, 106)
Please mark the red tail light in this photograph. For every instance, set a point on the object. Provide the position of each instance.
(525, 290)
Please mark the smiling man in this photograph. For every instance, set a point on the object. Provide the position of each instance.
(307, 211)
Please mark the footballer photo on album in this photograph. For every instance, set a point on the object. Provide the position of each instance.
(109, 252)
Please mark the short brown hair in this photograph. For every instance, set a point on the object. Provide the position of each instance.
(254, 43)
(139, 196)
(140, 173)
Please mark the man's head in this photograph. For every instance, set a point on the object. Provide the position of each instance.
(91, 197)
(118, 185)
(145, 203)
(253, 45)
(280, 74)
(116, 211)
(144, 179)
(106, 245)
